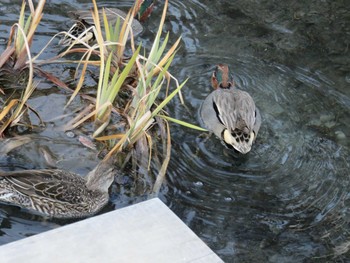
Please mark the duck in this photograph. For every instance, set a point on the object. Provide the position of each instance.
(57, 193)
(230, 113)
(84, 21)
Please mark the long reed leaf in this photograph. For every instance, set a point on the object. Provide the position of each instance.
(167, 99)
(182, 123)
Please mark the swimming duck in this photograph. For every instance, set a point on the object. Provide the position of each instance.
(58, 193)
(230, 113)
(84, 20)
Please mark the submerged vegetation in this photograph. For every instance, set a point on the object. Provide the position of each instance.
(134, 86)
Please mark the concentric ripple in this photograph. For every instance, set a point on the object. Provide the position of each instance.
(287, 200)
(291, 185)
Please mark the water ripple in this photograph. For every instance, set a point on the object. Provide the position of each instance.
(294, 181)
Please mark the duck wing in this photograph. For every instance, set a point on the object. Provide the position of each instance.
(112, 15)
(56, 185)
(236, 110)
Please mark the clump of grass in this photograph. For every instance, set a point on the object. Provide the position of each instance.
(16, 58)
(143, 111)
(16, 54)
(143, 122)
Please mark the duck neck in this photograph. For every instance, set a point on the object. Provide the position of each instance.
(224, 77)
(101, 177)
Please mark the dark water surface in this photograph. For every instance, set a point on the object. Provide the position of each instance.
(288, 200)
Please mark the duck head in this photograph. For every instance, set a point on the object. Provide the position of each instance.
(102, 176)
(220, 77)
(144, 8)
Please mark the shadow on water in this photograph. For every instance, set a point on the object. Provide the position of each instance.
(288, 199)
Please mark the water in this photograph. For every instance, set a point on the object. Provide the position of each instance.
(288, 199)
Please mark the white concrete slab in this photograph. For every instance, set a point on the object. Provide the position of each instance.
(145, 232)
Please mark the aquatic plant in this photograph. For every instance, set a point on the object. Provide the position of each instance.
(133, 86)
(15, 58)
(144, 78)
(17, 52)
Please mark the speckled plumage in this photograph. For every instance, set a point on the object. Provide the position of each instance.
(58, 193)
(85, 20)
(230, 113)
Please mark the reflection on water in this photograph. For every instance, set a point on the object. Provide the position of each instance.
(288, 199)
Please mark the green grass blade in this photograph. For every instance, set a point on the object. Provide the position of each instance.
(167, 99)
(160, 51)
(183, 123)
(106, 25)
(116, 30)
(107, 70)
(156, 85)
(123, 75)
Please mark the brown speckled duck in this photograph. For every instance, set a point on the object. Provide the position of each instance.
(230, 113)
(58, 193)
(84, 20)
